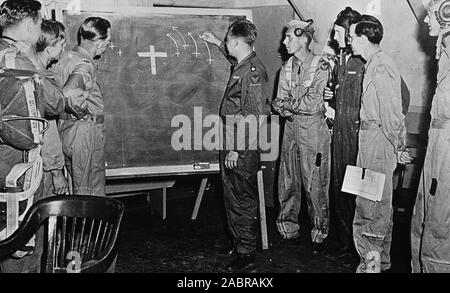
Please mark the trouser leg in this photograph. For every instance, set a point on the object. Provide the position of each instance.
(432, 240)
(289, 188)
(315, 173)
(83, 144)
(241, 202)
(372, 225)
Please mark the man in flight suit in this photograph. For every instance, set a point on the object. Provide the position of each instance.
(305, 151)
(82, 131)
(430, 227)
(348, 74)
(246, 97)
(382, 137)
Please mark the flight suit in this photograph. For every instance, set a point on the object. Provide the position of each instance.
(51, 151)
(82, 132)
(345, 140)
(247, 94)
(52, 154)
(305, 151)
(430, 227)
(382, 135)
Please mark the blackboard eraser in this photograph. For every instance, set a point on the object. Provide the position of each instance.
(200, 166)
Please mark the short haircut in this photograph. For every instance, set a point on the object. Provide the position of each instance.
(370, 27)
(245, 29)
(52, 32)
(93, 28)
(345, 18)
(13, 12)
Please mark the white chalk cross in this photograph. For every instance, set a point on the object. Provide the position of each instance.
(152, 55)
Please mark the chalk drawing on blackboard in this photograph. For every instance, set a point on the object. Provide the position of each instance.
(152, 55)
(185, 45)
(177, 53)
(139, 105)
(196, 53)
(210, 60)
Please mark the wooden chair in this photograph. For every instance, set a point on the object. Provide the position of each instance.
(81, 231)
(32, 170)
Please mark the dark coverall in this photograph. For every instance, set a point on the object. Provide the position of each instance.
(9, 156)
(305, 151)
(349, 74)
(247, 94)
(82, 132)
(382, 135)
(430, 227)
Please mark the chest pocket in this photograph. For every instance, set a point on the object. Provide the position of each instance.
(312, 71)
(354, 79)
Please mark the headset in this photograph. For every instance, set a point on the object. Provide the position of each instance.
(443, 13)
(298, 31)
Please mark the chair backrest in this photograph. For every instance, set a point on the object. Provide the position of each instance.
(82, 232)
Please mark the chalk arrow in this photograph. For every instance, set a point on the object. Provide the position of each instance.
(195, 43)
(209, 53)
(181, 35)
(176, 44)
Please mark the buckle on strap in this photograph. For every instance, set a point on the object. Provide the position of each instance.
(100, 119)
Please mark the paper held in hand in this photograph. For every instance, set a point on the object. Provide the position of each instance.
(363, 182)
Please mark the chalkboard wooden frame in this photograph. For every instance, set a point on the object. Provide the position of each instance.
(169, 170)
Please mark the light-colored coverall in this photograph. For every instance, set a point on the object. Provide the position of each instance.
(305, 151)
(382, 134)
(430, 227)
(82, 132)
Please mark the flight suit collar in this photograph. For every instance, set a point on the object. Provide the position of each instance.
(306, 61)
(83, 52)
(246, 59)
(371, 57)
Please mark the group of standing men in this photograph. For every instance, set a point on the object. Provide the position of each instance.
(72, 99)
(369, 129)
(371, 101)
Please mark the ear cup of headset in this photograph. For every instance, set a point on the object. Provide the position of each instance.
(444, 11)
(298, 32)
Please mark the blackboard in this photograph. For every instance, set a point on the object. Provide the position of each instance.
(142, 95)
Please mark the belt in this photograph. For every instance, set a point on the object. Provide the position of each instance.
(314, 115)
(99, 119)
(440, 123)
(369, 125)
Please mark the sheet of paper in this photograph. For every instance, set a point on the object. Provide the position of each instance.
(369, 187)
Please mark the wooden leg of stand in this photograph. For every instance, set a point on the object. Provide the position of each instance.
(198, 201)
(262, 211)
